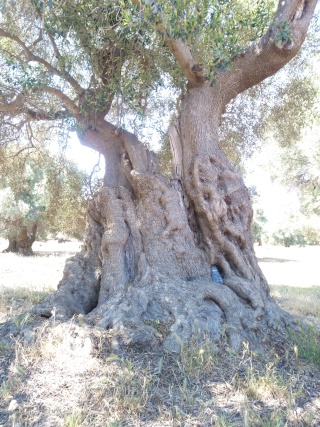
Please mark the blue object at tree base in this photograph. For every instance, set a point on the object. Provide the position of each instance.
(215, 275)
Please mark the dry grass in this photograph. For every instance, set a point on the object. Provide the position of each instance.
(300, 301)
(66, 374)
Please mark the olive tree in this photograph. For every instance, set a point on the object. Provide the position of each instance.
(152, 241)
(39, 194)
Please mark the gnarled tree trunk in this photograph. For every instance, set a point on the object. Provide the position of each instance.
(22, 242)
(145, 268)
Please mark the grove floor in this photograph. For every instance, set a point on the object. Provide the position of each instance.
(293, 266)
(54, 375)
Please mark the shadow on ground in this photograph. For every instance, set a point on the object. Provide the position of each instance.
(276, 260)
(53, 253)
(67, 375)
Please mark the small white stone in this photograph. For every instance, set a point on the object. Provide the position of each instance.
(13, 405)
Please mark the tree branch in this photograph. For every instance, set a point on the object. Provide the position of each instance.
(54, 46)
(180, 50)
(32, 57)
(17, 127)
(42, 115)
(63, 98)
(38, 40)
(271, 53)
(20, 151)
(18, 107)
(193, 71)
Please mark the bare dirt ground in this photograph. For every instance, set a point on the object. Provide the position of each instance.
(66, 375)
(42, 271)
(293, 266)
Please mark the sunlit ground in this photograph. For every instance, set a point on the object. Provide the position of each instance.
(293, 266)
(41, 271)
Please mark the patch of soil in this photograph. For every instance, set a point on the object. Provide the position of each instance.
(41, 271)
(293, 266)
(67, 376)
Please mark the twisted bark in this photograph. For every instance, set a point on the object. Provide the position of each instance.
(145, 269)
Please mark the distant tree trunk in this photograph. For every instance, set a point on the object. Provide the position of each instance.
(12, 246)
(23, 240)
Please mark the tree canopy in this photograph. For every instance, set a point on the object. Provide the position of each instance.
(62, 60)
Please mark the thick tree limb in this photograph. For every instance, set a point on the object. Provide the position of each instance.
(95, 136)
(141, 159)
(180, 50)
(271, 53)
(63, 98)
(193, 71)
(32, 57)
(44, 115)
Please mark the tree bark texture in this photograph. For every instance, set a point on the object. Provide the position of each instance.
(22, 242)
(145, 268)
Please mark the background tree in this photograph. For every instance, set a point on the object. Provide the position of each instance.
(283, 112)
(296, 235)
(259, 218)
(21, 212)
(151, 241)
(299, 163)
(258, 226)
(68, 196)
(293, 123)
(39, 193)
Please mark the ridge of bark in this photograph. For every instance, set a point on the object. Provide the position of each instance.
(143, 275)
